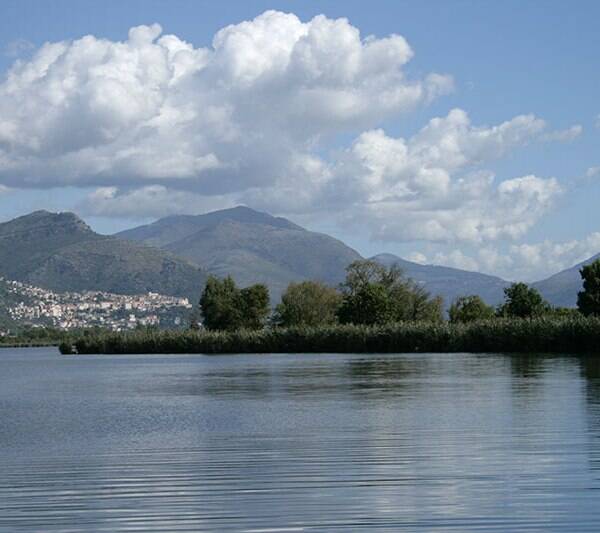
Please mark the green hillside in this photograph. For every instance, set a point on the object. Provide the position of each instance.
(251, 246)
(61, 252)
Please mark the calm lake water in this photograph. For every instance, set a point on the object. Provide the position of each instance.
(427, 442)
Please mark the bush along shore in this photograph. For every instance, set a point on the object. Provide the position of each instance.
(566, 335)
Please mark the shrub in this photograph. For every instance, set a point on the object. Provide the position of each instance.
(470, 308)
(308, 303)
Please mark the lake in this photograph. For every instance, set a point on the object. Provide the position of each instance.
(258, 443)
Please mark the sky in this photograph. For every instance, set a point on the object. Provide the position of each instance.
(462, 133)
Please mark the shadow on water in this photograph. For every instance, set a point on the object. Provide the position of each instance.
(367, 377)
(528, 366)
(303, 380)
(312, 378)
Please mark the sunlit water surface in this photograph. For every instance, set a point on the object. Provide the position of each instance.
(426, 442)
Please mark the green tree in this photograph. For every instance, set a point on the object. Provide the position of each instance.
(308, 303)
(522, 301)
(225, 307)
(413, 302)
(588, 300)
(255, 306)
(368, 305)
(374, 294)
(470, 308)
(220, 304)
(364, 272)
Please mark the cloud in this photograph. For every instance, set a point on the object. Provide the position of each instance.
(432, 186)
(486, 259)
(527, 261)
(417, 257)
(566, 135)
(456, 259)
(592, 172)
(428, 187)
(156, 110)
(152, 201)
(158, 126)
(548, 257)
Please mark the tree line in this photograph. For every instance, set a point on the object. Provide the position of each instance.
(373, 295)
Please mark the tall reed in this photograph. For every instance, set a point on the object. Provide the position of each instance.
(575, 335)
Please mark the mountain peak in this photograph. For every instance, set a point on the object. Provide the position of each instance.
(251, 246)
(177, 227)
(65, 220)
(389, 259)
(242, 213)
(61, 252)
(561, 288)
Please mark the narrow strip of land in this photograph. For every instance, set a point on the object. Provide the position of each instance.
(568, 335)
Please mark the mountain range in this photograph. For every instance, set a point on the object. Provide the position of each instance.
(59, 251)
(251, 246)
(174, 255)
(448, 282)
(562, 288)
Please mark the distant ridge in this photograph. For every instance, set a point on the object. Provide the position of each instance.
(561, 288)
(173, 228)
(251, 246)
(59, 251)
(256, 247)
(449, 283)
(174, 255)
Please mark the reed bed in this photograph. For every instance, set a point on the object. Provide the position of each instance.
(546, 334)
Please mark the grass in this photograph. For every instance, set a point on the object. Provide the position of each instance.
(571, 335)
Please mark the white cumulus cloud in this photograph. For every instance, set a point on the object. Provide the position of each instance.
(158, 126)
(155, 109)
(526, 261)
(151, 201)
(433, 186)
(417, 257)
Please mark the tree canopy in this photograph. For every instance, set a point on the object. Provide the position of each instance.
(225, 307)
(522, 301)
(374, 294)
(470, 308)
(308, 303)
(588, 300)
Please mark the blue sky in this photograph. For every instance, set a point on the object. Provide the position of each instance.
(505, 59)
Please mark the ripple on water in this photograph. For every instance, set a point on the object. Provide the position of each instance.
(303, 443)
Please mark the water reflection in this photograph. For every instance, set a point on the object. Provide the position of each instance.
(590, 372)
(444, 442)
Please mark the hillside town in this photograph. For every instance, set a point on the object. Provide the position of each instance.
(36, 306)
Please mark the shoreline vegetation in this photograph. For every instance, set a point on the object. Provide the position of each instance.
(524, 335)
(37, 337)
(28, 344)
(376, 309)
